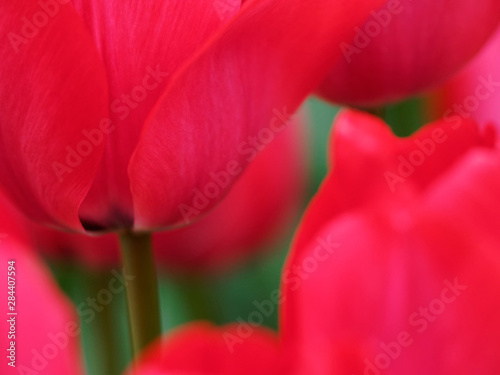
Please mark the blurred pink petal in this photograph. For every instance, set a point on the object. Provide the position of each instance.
(44, 333)
(202, 349)
(366, 288)
(406, 47)
(474, 92)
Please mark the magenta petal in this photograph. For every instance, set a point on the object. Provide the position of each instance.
(244, 84)
(474, 92)
(371, 165)
(419, 270)
(258, 208)
(142, 44)
(202, 349)
(406, 47)
(45, 332)
(53, 93)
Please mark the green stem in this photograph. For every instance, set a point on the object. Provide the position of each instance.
(106, 323)
(102, 330)
(142, 291)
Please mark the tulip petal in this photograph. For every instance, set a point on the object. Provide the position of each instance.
(39, 300)
(474, 91)
(371, 290)
(374, 301)
(244, 84)
(53, 90)
(203, 349)
(409, 46)
(475, 185)
(252, 214)
(142, 44)
(371, 164)
(48, 348)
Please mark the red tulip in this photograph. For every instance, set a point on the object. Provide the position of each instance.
(380, 280)
(258, 208)
(399, 279)
(116, 115)
(406, 47)
(201, 349)
(474, 92)
(42, 338)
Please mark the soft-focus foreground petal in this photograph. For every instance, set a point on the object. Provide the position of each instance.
(369, 164)
(409, 286)
(42, 337)
(408, 46)
(142, 44)
(202, 349)
(474, 92)
(240, 89)
(53, 93)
